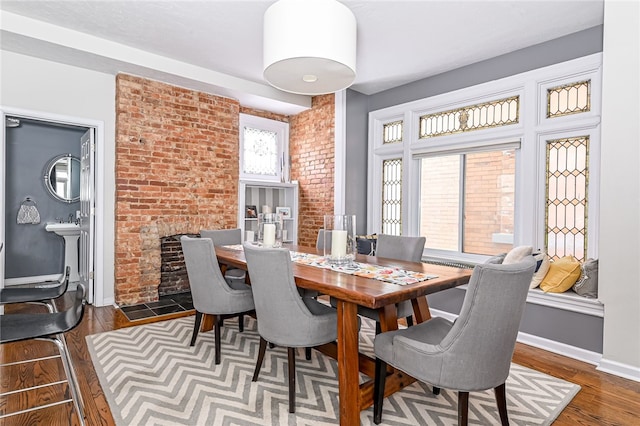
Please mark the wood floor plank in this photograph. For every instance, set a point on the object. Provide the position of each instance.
(604, 399)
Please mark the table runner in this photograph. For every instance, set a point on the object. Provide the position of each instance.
(381, 273)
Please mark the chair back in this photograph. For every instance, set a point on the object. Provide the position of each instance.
(480, 344)
(320, 240)
(209, 290)
(223, 237)
(400, 247)
(283, 318)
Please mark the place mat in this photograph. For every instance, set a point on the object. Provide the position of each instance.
(381, 273)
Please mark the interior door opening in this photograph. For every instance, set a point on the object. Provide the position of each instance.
(28, 142)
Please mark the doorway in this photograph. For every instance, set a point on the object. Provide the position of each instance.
(29, 141)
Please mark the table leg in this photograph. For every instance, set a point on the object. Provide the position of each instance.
(348, 369)
(421, 309)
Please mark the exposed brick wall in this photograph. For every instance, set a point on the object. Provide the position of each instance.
(488, 201)
(312, 165)
(264, 114)
(176, 173)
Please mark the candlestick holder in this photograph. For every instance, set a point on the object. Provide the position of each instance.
(340, 239)
(270, 230)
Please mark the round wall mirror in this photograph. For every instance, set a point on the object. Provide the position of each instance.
(62, 178)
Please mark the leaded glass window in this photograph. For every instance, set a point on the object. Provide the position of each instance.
(260, 152)
(567, 181)
(392, 196)
(569, 99)
(392, 132)
(501, 112)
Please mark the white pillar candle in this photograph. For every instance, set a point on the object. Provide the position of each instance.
(338, 243)
(269, 234)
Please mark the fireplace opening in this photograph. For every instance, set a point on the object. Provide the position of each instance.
(173, 271)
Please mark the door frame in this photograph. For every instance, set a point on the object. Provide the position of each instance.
(99, 185)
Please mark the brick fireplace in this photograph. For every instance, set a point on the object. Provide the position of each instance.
(177, 172)
(173, 271)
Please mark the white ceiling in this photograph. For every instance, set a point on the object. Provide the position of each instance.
(217, 45)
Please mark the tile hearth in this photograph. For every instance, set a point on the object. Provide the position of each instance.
(167, 304)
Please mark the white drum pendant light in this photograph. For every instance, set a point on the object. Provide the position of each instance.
(309, 46)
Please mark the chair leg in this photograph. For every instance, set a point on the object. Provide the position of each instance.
(501, 400)
(378, 328)
(409, 321)
(307, 353)
(378, 389)
(436, 390)
(196, 328)
(241, 323)
(69, 370)
(261, 350)
(463, 408)
(217, 338)
(291, 355)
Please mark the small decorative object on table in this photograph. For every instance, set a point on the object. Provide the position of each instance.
(270, 230)
(251, 212)
(340, 239)
(284, 211)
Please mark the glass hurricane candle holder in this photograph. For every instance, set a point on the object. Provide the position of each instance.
(340, 239)
(270, 230)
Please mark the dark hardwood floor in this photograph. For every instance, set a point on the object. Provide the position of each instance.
(603, 400)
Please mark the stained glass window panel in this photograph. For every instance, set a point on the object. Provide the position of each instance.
(496, 113)
(392, 132)
(260, 155)
(568, 99)
(567, 181)
(392, 196)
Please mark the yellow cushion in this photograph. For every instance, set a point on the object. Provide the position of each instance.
(562, 275)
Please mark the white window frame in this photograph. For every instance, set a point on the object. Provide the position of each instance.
(532, 130)
(281, 129)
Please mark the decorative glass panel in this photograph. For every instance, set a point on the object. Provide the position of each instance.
(392, 196)
(569, 99)
(567, 183)
(392, 132)
(501, 112)
(260, 152)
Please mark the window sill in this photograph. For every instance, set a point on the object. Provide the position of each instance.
(568, 301)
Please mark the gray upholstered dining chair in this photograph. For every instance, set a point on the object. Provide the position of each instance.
(284, 317)
(320, 239)
(227, 237)
(474, 352)
(399, 248)
(210, 292)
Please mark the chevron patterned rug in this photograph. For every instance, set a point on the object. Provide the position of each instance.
(151, 376)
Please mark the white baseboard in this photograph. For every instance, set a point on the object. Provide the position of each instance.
(31, 280)
(619, 369)
(560, 348)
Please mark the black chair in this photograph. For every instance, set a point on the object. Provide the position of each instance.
(50, 326)
(40, 295)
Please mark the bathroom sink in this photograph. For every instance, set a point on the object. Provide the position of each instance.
(63, 229)
(71, 233)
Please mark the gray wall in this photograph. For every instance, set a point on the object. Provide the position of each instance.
(356, 159)
(583, 331)
(30, 249)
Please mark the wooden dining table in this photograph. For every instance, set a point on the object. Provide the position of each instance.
(349, 291)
